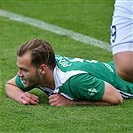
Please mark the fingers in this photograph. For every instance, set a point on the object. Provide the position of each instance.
(52, 100)
(32, 97)
(28, 98)
(58, 100)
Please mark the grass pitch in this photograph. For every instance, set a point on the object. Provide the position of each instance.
(92, 18)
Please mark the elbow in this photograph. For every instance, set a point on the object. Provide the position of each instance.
(118, 101)
(7, 89)
(119, 98)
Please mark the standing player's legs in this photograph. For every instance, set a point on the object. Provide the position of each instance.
(122, 39)
(124, 65)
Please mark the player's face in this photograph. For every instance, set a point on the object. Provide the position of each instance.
(29, 74)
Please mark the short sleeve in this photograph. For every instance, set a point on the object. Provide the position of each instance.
(84, 87)
(19, 83)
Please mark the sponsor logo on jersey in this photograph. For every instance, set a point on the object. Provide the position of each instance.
(92, 91)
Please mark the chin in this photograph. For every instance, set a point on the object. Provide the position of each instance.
(26, 86)
(29, 86)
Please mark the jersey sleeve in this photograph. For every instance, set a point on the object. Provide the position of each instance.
(19, 83)
(84, 87)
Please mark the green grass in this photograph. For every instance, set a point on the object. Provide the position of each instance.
(88, 18)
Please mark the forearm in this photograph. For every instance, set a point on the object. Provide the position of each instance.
(22, 97)
(13, 92)
(59, 100)
(93, 103)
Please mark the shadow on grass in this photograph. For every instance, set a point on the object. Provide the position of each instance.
(43, 97)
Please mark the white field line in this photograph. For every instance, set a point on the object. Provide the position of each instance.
(55, 29)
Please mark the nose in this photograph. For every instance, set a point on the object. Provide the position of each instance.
(20, 74)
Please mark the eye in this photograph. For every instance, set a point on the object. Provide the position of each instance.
(23, 69)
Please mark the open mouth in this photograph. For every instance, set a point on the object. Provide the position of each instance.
(24, 81)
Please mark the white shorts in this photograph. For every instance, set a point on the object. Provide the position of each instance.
(122, 26)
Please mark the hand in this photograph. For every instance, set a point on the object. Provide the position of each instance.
(59, 100)
(28, 98)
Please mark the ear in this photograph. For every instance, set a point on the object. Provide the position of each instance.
(43, 69)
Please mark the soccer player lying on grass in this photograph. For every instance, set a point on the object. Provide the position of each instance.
(69, 81)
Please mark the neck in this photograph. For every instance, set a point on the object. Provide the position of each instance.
(48, 80)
